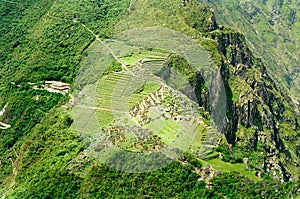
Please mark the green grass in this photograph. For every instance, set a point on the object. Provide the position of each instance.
(143, 92)
(133, 58)
(168, 131)
(211, 155)
(218, 164)
(130, 60)
(104, 118)
(107, 87)
(238, 86)
(148, 56)
(201, 130)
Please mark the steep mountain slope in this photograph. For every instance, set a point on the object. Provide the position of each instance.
(43, 156)
(272, 32)
(261, 116)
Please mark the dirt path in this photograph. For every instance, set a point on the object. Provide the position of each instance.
(106, 46)
(14, 175)
(4, 126)
(3, 110)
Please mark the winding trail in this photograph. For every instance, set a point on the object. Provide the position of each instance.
(14, 175)
(106, 46)
(3, 110)
(4, 126)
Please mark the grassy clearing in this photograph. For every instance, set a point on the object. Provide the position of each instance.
(132, 59)
(218, 164)
(169, 130)
(104, 118)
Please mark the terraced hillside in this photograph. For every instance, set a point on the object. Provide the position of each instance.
(136, 101)
(159, 89)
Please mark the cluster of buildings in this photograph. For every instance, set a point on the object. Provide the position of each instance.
(143, 107)
(141, 139)
(57, 87)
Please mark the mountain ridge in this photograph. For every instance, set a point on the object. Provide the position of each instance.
(42, 141)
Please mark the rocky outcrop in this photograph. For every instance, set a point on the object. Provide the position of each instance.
(260, 104)
(207, 173)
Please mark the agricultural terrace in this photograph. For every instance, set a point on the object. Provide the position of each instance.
(136, 109)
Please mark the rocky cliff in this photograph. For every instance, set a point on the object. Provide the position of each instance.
(261, 118)
(262, 122)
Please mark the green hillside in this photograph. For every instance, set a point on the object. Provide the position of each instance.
(272, 31)
(143, 99)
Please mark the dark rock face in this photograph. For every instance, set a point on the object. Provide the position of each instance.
(261, 105)
(202, 97)
(239, 53)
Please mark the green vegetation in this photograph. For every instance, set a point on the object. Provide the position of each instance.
(146, 89)
(107, 89)
(55, 172)
(105, 118)
(42, 156)
(199, 134)
(183, 67)
(272, 30)
(227, 167)
(168, 130)
(113, 67)
(132, 59)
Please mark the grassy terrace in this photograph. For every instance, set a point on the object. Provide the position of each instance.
(218, 164)
(166, 129)
(122, 91)
(132, 59)
(146, 89)
(201, 131)
(104, 118)
(107, 86)
(119, 91)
